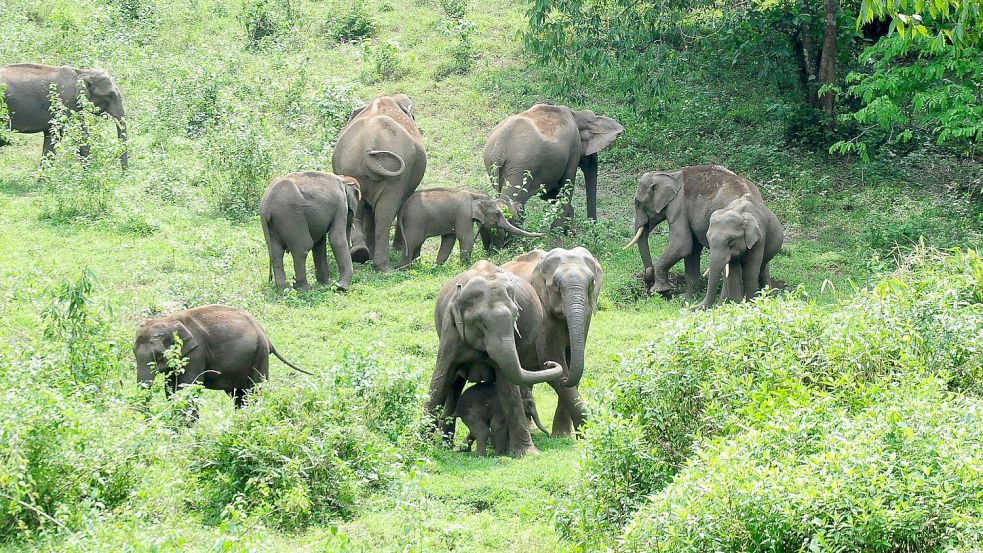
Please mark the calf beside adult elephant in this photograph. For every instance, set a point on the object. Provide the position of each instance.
(226, 349)
(487, 323)
(686, 199)
(27, 93)
(301, 212)
(382, 149)
(568, 283)
(537, 151)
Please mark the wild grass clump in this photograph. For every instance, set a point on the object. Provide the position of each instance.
(719, 374)
(310, 452)
(242, 155)
(354, 25)
(385, 61)
(266, 20)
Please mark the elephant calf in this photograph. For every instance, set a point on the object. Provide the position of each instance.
(449, 213)
(478, 409)
(301, 212)
(226, 349)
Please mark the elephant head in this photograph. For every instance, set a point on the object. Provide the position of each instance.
(489, 214)
(733, 231)
(656, 194)
(568, 283)
(154, 338)
(106, 96)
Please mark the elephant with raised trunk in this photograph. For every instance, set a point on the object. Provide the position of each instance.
(487, 322)
(537, 151)
(449, 213)
(225, 347)
(28, 90)
(302, 212)
(382, 149)
(478, 409)
(743, 237)
(568, 283)
(686, 198)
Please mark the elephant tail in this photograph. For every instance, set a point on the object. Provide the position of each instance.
(375, 164)
(288, 363)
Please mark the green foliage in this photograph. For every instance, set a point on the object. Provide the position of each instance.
(266, 20)
(75, 186)
(310, 452)
(386, 60)
(354, 25)
(242, 155)
(462, 52)
(4, 118)
(739, 366)
(944, 22)
(455, 10)
(135, 10)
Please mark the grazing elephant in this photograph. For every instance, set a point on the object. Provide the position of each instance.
(28, 90)
(448, 213)
(544, 146)
(487, 321)
(226, 349)
(301, 212)
(478, 409)
(743, 237)
(686, 198)
(381, 148)
(568, 283)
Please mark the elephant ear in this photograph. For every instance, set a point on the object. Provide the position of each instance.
(455, 308)
(405, 104)
(595, 291)
(664, 188)
(596, 131)
(478, 211)
(355, 113)
(188, 341)
(752, 232)
(352, 185)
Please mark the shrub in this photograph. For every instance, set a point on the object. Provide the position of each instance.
(354, 25)
(265, 20)
(724, 372)
(462, 50)
(243, 158)
(4, 118)
(454, 9)
(385, 60)
(309, 452)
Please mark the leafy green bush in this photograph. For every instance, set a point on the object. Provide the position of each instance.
(242, 155)
(462, 51)
(454, 9)
(720, 373)
(354, 25)
(309, 452)
(386, 61)
(265, 20)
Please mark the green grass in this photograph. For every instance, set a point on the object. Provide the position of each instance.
(163, 247)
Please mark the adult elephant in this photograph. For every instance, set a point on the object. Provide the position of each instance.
(381, 148)
(747, 235)
(487, 321)
(537, 151)
(28, 97)
(568, 283)
(686, 198)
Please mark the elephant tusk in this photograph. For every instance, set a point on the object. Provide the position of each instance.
(638, 236)
(515, 325)
(727, 270)
(706, 273)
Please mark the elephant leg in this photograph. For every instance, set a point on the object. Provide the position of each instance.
(519, 441)
(449, 424)
(752, 273)
(465, 238)
(385, 214)
(276, 263)
(692, 263)
(486, 238)
(338, 236)
(238, 396)
(680, 245)
(569, 416)
(320, 251)
(564, 199)
(764, 279)
(84, 146)
(481, 435)
(446, 245)
(300, 269)
(360, 249)
(49, 145)
(734, 284)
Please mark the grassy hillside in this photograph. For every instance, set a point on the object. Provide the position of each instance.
(213, 116)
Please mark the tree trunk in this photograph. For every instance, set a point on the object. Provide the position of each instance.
(827, 64)
(808, 54)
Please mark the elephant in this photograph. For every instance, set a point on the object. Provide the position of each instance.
(568, 283)
(487, 321)
(743, 238)
(537, 151)
(27, 95)
(478, 409)
(226, 349)
(382, 149)
(301, 212)
(686, 198)
(448, 213)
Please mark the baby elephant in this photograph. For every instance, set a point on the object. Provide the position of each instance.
(449, 213)
(301, 212)
(478, 408)
(225, 347)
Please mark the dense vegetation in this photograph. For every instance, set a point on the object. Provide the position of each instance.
(842, 415)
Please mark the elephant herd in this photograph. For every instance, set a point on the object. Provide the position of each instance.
(505, 328)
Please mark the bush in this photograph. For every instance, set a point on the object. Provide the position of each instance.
(724, 372)
(386, 61)
(454, 9)
(310, 452)
(265, 20)
(462, 50)
(243, 158)
(354, 25)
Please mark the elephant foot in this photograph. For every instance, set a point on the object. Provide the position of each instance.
(302, 287)
(530, 450)
(564, 433)
(383, 268)
(341, 286)
(360, 254)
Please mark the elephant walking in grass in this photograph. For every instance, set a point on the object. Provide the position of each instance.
(538, 151)
(302, 212)
(382, 149)
(743, 238)
(449, 213)
(226, 349)
(478, 409)
(568, 283)
(686, 198)
(27, 93)
(487, 322)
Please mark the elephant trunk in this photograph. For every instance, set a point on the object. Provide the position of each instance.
(719, 263)
(509, 227)
(119, 117)
(145, 372)
(502, 351)
(534, 413)
(577, 314)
